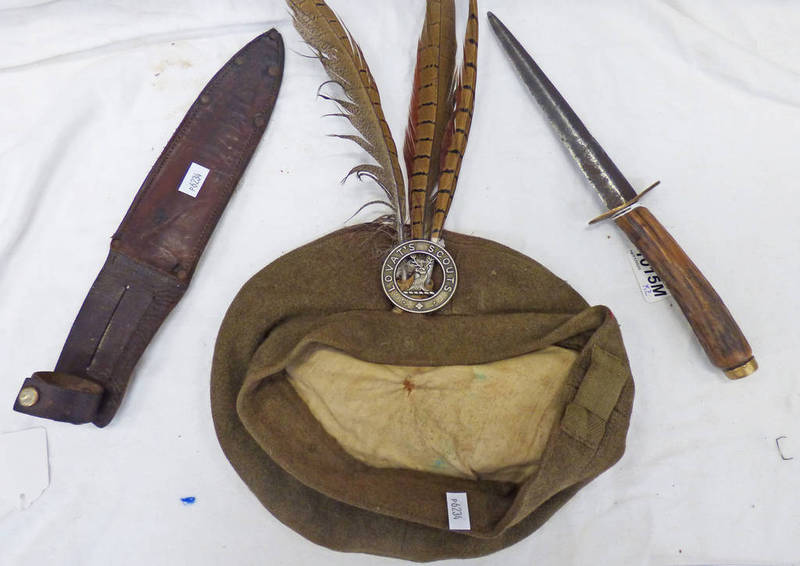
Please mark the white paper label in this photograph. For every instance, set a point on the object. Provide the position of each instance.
(458, 511)
(194, 179)
(652, 287)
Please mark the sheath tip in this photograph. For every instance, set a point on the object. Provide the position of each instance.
(747, 368)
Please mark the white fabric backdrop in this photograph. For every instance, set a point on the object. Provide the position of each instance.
(703, 95)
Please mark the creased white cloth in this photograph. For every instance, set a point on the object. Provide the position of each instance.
(703, 95)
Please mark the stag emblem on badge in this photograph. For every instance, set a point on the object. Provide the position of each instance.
(419, 276)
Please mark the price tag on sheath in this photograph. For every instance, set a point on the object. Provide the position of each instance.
(652, 287)
(194, 179)
(458, 511)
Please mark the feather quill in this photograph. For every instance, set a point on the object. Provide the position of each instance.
(431, 106)
(344, 63)
(455, 142)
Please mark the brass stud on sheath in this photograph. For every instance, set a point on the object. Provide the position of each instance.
(28, 396)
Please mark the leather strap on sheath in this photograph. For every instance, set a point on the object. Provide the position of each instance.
(156, 248)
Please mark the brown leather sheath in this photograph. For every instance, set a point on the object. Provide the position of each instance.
(156, 248)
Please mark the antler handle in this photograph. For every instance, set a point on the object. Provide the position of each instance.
(718, 333)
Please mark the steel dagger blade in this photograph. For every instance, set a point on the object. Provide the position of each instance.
(603, 174)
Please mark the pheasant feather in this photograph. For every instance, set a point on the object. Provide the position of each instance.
(455, 142)
(345, 64)
(431, 105)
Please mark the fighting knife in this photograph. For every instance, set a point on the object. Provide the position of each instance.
(715, 328)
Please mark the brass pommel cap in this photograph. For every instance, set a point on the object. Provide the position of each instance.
(743, 370)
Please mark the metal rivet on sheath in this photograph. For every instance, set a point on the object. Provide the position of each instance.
(259, 120)
(28, 397)
(205, 99)
(274, 70)
(239, 60)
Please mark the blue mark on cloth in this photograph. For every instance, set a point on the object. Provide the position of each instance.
(188, 500)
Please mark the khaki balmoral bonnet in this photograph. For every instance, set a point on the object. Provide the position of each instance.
(531, 367)
(352, 421)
